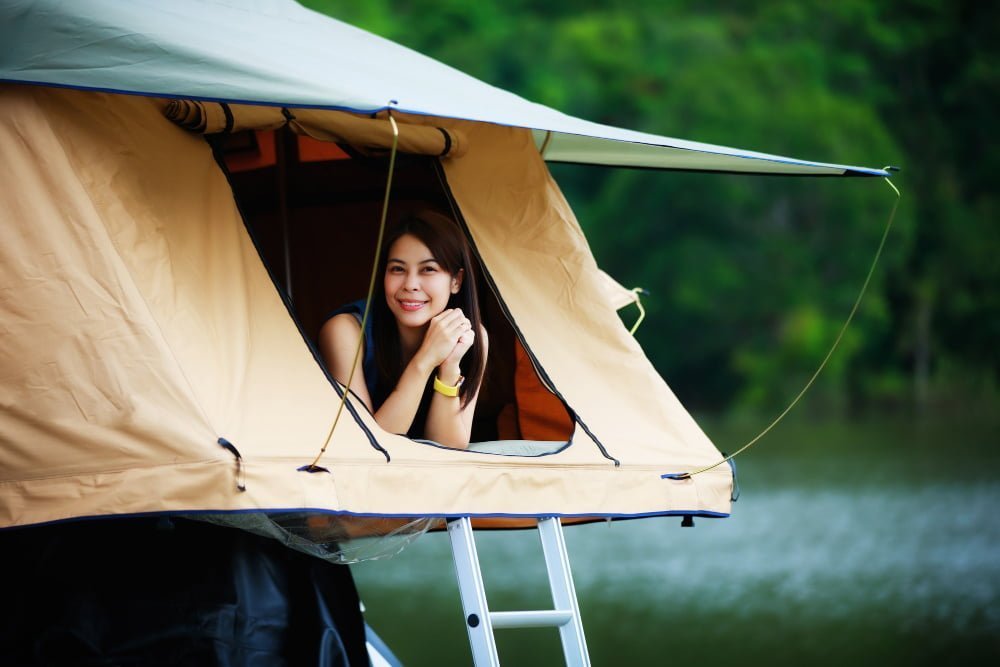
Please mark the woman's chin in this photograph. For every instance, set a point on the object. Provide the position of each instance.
(414, 318)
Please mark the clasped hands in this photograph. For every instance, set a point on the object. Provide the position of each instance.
(448, 337)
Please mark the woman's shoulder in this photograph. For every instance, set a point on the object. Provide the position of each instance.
(338, 339)
(341, 318)
(341, 323)
(355, 309)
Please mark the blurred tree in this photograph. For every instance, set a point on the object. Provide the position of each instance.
(752, 276)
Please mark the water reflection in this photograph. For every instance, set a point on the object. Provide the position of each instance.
(933, 552)
(830, 571)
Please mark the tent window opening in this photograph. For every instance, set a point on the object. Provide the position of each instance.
(313, 209)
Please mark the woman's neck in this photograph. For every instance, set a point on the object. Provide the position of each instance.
(409, 341)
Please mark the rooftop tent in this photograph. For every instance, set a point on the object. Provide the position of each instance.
(150, 364)
(142, 327)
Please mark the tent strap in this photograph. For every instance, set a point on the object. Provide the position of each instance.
(369, 136)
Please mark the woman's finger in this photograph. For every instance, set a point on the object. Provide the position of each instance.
(444, 315)
(457, 324)
(452, 320)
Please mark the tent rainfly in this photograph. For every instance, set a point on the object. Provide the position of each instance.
(154, 355)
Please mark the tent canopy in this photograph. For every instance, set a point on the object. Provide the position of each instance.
(213, 50)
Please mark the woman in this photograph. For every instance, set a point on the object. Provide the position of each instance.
(424, 356)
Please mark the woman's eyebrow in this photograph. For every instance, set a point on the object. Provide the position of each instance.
(400, 261)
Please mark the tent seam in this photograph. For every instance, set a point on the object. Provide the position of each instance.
(113, 471)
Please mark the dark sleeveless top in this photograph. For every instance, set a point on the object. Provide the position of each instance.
(369, 366)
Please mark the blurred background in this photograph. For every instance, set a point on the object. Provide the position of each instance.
(866, 531)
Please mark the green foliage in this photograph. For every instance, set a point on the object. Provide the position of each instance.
(751, 277)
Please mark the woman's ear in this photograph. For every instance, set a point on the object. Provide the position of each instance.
(456, 281)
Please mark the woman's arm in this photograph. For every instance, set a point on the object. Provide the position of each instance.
(338, 341)
(447, 421)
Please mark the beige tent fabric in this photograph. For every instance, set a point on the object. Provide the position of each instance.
(537, 253)
(139, 326)
(367, 134)
(210, 117)
(615, 293)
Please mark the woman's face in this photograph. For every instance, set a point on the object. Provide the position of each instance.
(416, 286)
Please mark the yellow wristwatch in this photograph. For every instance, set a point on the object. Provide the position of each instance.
(447, 389)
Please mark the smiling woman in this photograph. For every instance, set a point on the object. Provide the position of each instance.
(424, 347)
(318, 238)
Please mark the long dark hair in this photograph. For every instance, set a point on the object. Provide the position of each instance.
(450, 249)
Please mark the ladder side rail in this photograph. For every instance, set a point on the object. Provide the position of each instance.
(563, 591)
(473, 593)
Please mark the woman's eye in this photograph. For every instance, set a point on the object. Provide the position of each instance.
(430, 269)
(395, 269)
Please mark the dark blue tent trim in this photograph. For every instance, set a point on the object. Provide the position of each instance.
(371, 515)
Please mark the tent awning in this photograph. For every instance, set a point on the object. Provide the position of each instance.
(214, 50)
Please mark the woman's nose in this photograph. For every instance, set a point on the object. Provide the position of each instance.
(412, 282)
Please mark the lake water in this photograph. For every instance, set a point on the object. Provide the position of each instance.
(865, 544)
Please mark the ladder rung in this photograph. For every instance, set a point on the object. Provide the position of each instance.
(546, 618)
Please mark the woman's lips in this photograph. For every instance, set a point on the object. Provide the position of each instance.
(411, 306)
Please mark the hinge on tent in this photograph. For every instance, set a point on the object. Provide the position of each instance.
(241, 479)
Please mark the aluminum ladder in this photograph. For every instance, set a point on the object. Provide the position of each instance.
(481, 622)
